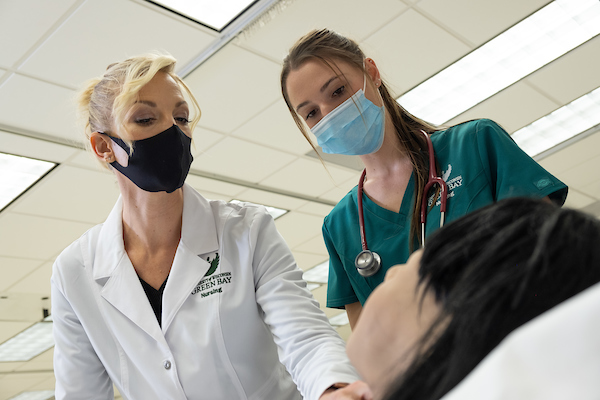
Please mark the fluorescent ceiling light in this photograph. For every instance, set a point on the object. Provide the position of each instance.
(32, 342)
(529, 45)
(339, 320)
(274, 211)
(317, 274)
(564, 123)
(17, 174)
(215, 14)
(37, 395)
(312, 286)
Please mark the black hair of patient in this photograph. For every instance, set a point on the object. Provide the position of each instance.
(493, 270)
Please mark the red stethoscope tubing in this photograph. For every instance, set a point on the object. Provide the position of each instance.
(432, 180)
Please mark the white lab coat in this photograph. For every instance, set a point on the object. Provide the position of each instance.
(555, 356)
(221, 334)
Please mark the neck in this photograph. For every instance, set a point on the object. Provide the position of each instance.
(390, 159)
(151, 221)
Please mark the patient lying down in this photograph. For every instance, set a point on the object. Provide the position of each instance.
(479, 278)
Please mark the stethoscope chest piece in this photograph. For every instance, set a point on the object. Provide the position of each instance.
(367, 263)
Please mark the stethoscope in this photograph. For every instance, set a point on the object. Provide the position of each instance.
(368, 262)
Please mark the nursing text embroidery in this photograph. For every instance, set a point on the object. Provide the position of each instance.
(212, 284)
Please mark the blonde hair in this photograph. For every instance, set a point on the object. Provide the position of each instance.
(328, 46)
(105, 100)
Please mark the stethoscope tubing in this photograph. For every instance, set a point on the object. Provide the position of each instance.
(432, 180)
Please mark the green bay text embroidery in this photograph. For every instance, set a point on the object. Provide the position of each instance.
(212, 284)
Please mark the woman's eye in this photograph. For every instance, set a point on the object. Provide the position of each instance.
(144, 121)
(339, 91)
(311, 114)
(182, 120)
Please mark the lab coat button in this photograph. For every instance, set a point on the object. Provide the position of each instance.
(167, 364)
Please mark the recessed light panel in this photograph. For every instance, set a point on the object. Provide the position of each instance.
(17, 174)
(37, 395)
(529, 45)
(564, 123)
(318, 274)
(30, 343)
(215, 14)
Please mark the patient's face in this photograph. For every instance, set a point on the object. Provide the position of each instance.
(390, 323)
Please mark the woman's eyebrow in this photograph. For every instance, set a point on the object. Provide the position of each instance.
(323, 88)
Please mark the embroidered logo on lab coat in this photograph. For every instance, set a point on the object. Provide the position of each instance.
(211, 283)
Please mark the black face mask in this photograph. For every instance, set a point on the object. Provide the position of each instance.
(159, 163)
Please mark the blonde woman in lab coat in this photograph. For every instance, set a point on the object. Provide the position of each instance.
(175, 296)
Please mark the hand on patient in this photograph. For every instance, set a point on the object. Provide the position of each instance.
(355, 391)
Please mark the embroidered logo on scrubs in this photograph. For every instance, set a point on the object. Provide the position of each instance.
(542, 183)
(210, 283)
(453, 183)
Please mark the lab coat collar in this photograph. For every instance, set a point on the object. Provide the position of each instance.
(114, 271)
(198, 232)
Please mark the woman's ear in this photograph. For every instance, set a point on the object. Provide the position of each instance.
(373, 71)
(101, 145)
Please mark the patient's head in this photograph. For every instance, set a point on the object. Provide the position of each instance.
(479, 278)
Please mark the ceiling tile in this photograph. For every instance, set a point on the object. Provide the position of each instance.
(37, 237)
(49, 111)
(213, 185)
(576, 199)
(297, 228)
(297, 19)
(7, 367)
(308, 177)
(85, 159)
(102, 32)
(593, 187)
(36, 282)
(71, 193)
(43, 362)
(573, 155)
(580, 178)
(15, 384)
(214, 196)
(241, 160)
(15, 269)
(479, 21)
(338, 193)
(232, 87)
(275, 127)
(271, 199)
(204, 139)
(34, 148)
(307, 261)
(8, 329)
(321, 296)
(41, 15)
(316, 245)
(513, 108)
(344, 331)
(318, 209)
(412, 33)
(572, 75)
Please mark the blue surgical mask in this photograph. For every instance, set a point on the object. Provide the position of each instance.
(355, 127)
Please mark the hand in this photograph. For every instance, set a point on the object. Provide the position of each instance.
(355, 391)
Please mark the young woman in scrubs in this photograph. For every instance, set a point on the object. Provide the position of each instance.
(519, 263)
(175, 296)
(325, 80)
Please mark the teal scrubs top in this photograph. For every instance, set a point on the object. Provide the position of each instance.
(480, 163)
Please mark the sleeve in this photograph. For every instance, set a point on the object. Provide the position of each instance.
(309, 346)
(510, 171)
(78, 371)
(339, 287)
